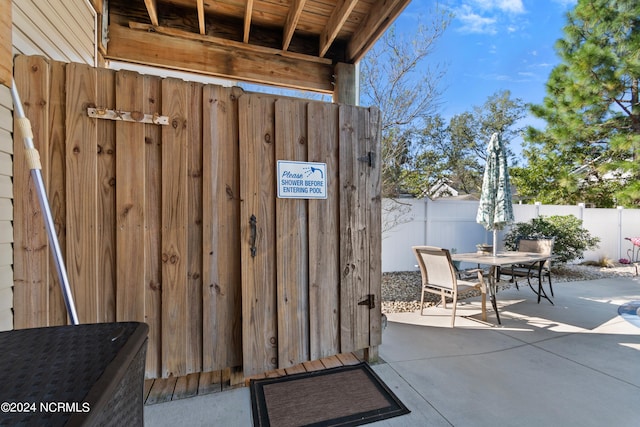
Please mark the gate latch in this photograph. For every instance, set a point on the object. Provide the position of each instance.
(369, 158)
(370, 301)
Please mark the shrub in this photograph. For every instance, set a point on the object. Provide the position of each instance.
(571, 238)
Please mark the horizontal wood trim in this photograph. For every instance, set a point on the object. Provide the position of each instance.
(221, 61)
(226, 42)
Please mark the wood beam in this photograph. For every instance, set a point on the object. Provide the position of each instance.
(152, 10)
(201, 24)
(230, 62)
(336, 21)
(247, 20)
(376, 23)
(174, 32)
(346, 80)
(292, 22)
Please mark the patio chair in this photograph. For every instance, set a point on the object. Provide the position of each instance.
(439, 277)
(532, 271)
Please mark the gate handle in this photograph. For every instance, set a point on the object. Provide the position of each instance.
(252, 223)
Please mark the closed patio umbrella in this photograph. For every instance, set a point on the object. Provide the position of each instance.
(495, 209)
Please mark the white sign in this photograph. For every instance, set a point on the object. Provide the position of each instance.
(302, 180)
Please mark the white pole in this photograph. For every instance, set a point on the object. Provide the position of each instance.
(33, 159)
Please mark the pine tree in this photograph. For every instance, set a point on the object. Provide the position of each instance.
(589, 149)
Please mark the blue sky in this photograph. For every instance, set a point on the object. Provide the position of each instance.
(492, 45)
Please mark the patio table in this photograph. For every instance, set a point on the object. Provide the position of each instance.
(502, 259)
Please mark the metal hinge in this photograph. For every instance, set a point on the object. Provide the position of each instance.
(369, 159)
(370, 301)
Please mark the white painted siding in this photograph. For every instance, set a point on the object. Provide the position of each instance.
(6, 210)
(63, 30)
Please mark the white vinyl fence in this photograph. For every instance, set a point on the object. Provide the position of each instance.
(452, 224)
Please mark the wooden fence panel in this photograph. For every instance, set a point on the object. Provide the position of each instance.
(258, 193)
(130, 197)
(175, 310)
(324, 235)
(156, 220)
(194, 226)
(221, 230)
(152, 234)
(82, 217)
(292, 244)
(354, 285)
(106, 178)
(371, 120)
(31, 248)
(55, 183)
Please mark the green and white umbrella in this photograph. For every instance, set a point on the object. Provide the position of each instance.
(495, 209)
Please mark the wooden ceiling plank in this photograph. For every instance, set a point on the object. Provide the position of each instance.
(226, 42)
(152, 10)
(378, 20)
(336, 21)
(292, 22)
(247, 20)
(201, 23)
(156, 49)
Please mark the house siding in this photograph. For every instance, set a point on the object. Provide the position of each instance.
(63, 30)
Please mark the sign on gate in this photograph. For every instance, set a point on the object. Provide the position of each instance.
(302, 180)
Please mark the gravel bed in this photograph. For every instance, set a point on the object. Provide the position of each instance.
(401, 289)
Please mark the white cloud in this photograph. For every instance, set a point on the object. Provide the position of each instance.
(566, 3)
(509, 6)
(474, 23)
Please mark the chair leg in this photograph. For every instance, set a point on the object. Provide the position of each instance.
(422, 303)
(453, 312)
(550, 286)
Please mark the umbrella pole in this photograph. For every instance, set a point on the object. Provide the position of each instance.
(33, 160)
(495, 242)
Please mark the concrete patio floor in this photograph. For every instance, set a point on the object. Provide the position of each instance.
(575, 363)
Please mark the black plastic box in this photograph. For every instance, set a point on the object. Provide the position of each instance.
(89, 375)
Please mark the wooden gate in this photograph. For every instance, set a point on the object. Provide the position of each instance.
(155, 219)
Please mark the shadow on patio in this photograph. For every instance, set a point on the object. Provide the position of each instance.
(572, 363)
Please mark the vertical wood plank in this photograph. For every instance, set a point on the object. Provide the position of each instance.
(106, 165)
(354, 283)
(374, 226)
(175, 313)
(222, 308)
(257, 194)
(194, 228)
(56, 184)
(81, 188)
(324, 235)
(130, 197)
(31, 257)
(292, 245)
(152, 224)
